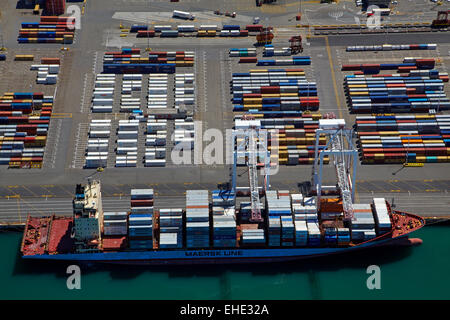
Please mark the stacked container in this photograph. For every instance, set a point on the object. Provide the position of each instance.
(301, 233)
(278, 204)
(287, 231)
(103, 96)
(184, 134)
(381, 213)
(404, 138)
(155, 143)
(177, 58)
(224, 218)
(51, 29)
(252, 236)
(224, 231)
(197, 219)
(390, 47)
(170, 228)
(331, 236)
(115, 223)
(184, 89)
(343, 236)
(157, 91)
(141, 219)
(24, 124)
(46, 73)
(363, 223)
(98, 143)
(242, 52)
(314, 236)
(126, 151)
(269, 51)
(274, 231)
(410, 92)
(129, 60)
(295, 60)
(131, 83)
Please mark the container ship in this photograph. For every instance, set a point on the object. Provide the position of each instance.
(213, 228)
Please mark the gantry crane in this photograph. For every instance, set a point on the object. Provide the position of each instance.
(252, 142)
(345, 155)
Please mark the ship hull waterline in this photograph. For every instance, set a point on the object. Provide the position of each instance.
(214, 256)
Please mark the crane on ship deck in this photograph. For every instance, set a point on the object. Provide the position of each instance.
(253, 142)
(345, 155)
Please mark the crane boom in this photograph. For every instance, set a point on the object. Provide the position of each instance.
(253, 175)
(342, 173)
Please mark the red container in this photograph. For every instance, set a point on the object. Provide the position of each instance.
(248, 60)
(243, 33)
(270, 89)
(55, 7)
(142, 203)
(254, 27)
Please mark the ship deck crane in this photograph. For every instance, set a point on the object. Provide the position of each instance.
(252, 142)
(340, 146)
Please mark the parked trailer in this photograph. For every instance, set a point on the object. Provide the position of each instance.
(183, 15)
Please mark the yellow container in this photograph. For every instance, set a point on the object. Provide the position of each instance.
(258, 70)
(432, 141)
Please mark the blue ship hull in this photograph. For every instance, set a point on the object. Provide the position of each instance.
(208, 256)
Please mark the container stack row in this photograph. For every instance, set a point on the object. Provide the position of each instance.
(402, 93)
(197, 219)
(252, 236)
(381, 213)
(50, 29)
(115, 231)
(47, 71)
(404, 138)
(270, 51)
(184, 89)
(155, 143)
(178, 58)
(141, 220)
(127, 143)
(170, 228)
(242, 52)
(24, 125)
(129, 60)
(295, 60)
(392, 47)
(130, 100)
(184, 134)
(157, 91)
(143, 31)
(363, 223)
(103, 95)
(306, 220)
(274, 90)
(98, 143)
(115, 223)
(224, 219)
(407, 64)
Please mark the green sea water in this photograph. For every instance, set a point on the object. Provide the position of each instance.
(406, 273)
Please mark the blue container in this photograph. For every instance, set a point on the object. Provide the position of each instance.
(231, 27)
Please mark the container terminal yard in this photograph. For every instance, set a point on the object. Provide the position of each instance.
(67, 102)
